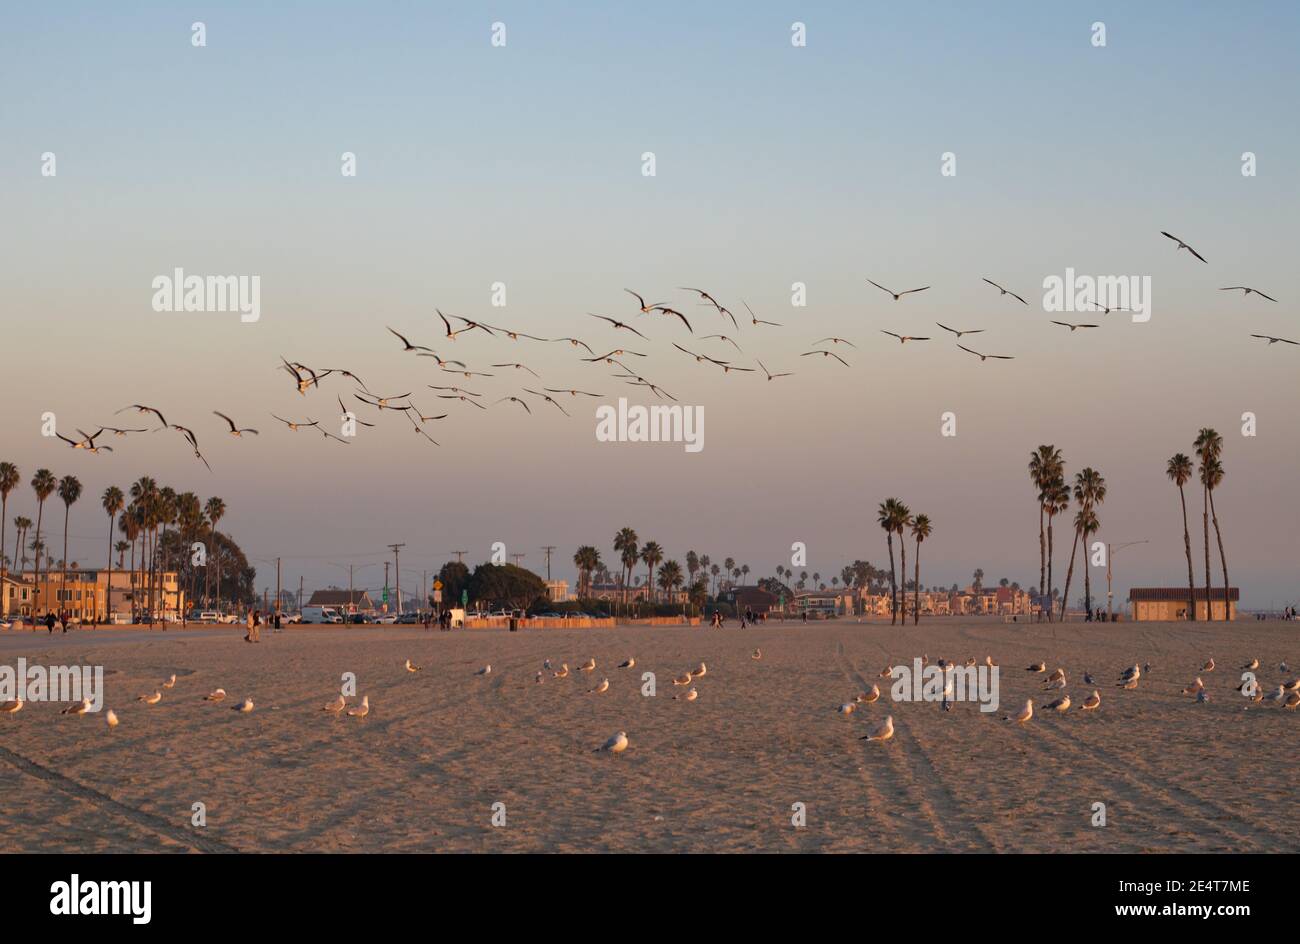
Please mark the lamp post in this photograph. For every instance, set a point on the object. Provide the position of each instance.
(1111, 551)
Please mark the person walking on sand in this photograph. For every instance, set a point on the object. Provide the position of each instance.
(49, 622)
(248, 637)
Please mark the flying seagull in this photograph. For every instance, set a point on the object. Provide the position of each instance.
(833, 341)
(619, 324)
(407, 345)
(234, 430)
(723, 337)
(898, 295)
(826, 354)
(519, 367)
(903, 338)
(984, 357)
(1246, 290)
(573, 393)
(1006, 292)
(1182, 245)
(772, 376)
(346, 411)
(515, 400)
(1073, 327)
(297, 426)
(547, 399)
(645, 309)
(1273, 340)
(960, 333)
(674, 311)
(757, 320)
(141, 408)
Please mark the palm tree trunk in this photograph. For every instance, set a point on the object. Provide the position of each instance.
(1087, 577)
(1051, 549)
(1042, 551)
(1223, 560)
(902, 572)
(916, 589)
(1187, 546)
(63, 580)
(133, 593)
(36, 576)
(108, 589)
(893, 591)
(1205, 526)
(1069, 575)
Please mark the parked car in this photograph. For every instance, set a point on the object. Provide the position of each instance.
(386, 619)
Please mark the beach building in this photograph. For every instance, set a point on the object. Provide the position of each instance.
(1170, 603)
(756, 600)
(16, 595)
(348, 601)
(825, 602)
(557, 591)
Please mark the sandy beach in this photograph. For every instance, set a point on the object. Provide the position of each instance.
(441, 746)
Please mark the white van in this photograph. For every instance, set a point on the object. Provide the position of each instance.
(321, 614)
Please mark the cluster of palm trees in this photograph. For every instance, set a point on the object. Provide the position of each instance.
(1179, 470)
(630, 552)
(894, 517)
(1053, 492)
(143, 522)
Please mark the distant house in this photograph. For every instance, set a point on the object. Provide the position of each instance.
(353, 601)
(754, 599)
(1170, 603)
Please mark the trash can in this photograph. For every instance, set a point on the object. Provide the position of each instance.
(514, 625)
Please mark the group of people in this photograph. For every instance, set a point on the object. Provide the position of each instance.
(748, 618)
(254, 623)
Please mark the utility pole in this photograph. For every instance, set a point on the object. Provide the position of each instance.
(277, 585)
(460, 556)
(352, 601)
(385, 580)
(518, 558)
(299, 593)
(397, 566)
(1110, 555)
(548, 548)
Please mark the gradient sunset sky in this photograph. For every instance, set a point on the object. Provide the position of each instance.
(775, 165)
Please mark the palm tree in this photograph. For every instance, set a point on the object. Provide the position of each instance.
(728, 567)
(744, 573)
(1089, 492)
(921, 529)
(704, 563)
(120, 547)
(22, 525)
(903, 520)
(1057, 502)
(1045, 466)
(586, 559)
(1208, 446)
(43, 483)
(1084, 520)
(714, 571)
(886, 515)
(1179, 471)
(216, 510)
(651, 555)
(69, 491)
(670, 576)
(127, 524)
(113, 501)
(9, 479)
(692, 566)
(1213, 478)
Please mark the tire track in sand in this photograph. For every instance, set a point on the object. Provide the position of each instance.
(103, 801)
(920, 780)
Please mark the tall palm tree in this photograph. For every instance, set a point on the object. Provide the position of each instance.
(1084, 520)
(692, 566)
(1057, 501)
(714, 570)
(586, 559)
(113, 501)
(128, 526)
(44, 483)
(1089, 492)
(1045, 466)
(69, 491)
(121, 548)
(1208, 446)
(902, 521)
(22, 525)
(728, 566)
(670, 576)
(886, 515)
(216, 510)
(9, 479)
(921, 529)
(651, 555)
(1179, 470)
(1213, 478)
(704, 563)
(744, 573)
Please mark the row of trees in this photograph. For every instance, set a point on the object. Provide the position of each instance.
(894, 517)
(157, 525)
(1208, 447)
(1053, 491)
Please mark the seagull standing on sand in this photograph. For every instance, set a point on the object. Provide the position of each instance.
(602, 687)
(486, 670)
(588, 666)
(615, 745)
(1092, 702)
(244, 706)
(111, 719)
(629, 664)
(151, 699)
(361, 710)
(564, 671)
(1208, 667)
(171, 681)
(412, 668)
(1061, 704)
(12, 707)
(882, 732)
(690, 695)
(1024, 714)
(846, 708)
(700, 671)
(81, 707)
(870, 696)
(756, 655)
(217, 695)
(336, 705)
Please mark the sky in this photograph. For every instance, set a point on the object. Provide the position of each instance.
(775, 164)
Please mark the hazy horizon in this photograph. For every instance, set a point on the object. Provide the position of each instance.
(774, 165)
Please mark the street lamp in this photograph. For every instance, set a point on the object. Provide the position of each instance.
(1110, 556)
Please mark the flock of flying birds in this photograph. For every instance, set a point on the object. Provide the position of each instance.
(306, 379)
